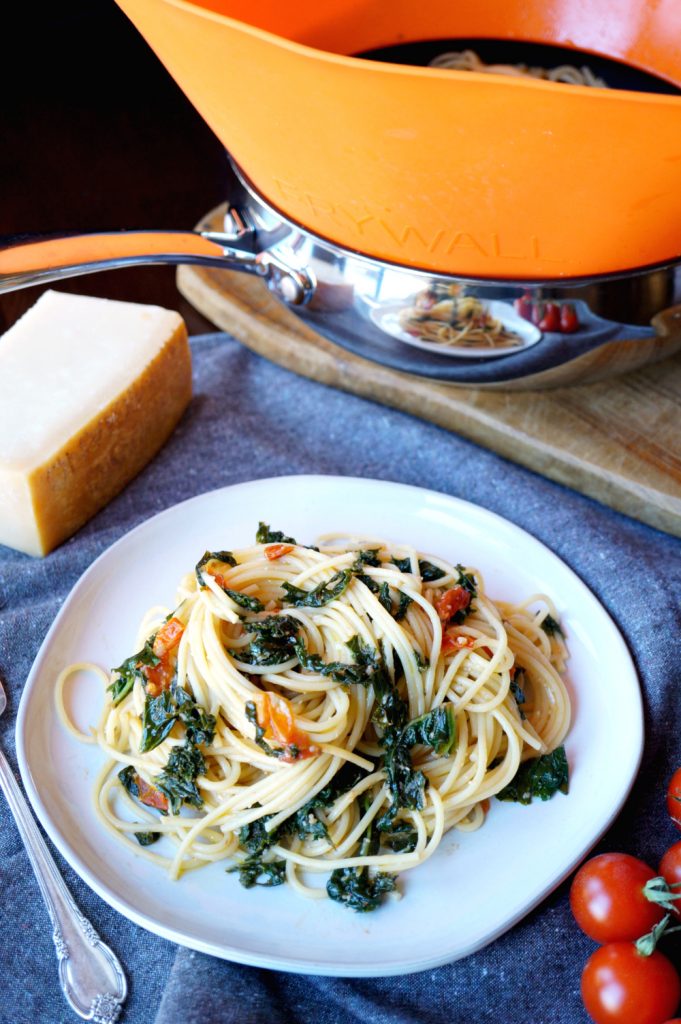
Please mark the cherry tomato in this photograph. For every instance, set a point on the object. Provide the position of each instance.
(568, 319)
(537, 312)
(551, 318)
(523, 306)
(670, 869)
(619, 986)
(607, 898)
(674, 797)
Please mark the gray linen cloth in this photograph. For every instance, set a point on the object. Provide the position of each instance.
(251, 419)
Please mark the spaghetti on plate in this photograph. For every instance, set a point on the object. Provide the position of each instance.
(326, 711)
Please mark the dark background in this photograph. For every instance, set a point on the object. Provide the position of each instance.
(95, 135)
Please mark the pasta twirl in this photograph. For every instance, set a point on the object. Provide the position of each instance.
(324, 715)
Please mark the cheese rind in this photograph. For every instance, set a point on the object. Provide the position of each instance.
(121, 378)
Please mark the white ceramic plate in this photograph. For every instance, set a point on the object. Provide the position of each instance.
(521, 853)
(388, 320)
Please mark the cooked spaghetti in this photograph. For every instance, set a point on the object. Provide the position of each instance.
(468, 60)
(329, 710)
(444, 315)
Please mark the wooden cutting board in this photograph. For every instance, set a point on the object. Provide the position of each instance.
(618, 440)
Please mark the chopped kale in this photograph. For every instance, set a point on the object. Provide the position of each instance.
(131, 669)
(385, 598)
(357, 889)
(421, 663)
(429, 572)
(367, 670)
(177, 781)
(368, 582)
(128, 779)
(209, 556)
(255, 871)
(368, 556)
(436, 729)
(162, 712)
(517, 684)
(273, 640)
(467, 581)
(146, 838)
(199, 724)
(251, 604)
(551, 627)
(266, 536)
(538, 777)
(158, 718)
(400, 836)
(322, 594)
(405, 601)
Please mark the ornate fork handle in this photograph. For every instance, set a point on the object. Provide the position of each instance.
(90, 974)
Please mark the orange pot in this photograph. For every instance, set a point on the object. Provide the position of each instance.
(456, 172)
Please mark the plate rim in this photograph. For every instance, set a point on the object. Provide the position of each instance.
(275, 961)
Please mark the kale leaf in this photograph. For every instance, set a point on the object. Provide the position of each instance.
(538, 777)
(266, 536)
(209, 556)
(256, 871)
(162, 712)
(322, 594)
(551, 627)
(355, 888)
(158, 718)
(146, 838)
(273, 640)
(177, 780)
(405, 601)
(251, 604)
(517, 684)
(132, 669)
(429, 572)
(368, 556)
(436, 729)
(400, 836)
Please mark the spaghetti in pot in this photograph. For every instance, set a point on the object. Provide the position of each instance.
(468, 60)
(331, 709)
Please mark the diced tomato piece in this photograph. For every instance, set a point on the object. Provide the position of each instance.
(451, 602)
(219, 578)
(149, 795)
(279, 723)
(159, 677)
(274, 551)
(168, 637)
(456, 642)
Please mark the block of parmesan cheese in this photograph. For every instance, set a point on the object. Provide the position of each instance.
(89, 391)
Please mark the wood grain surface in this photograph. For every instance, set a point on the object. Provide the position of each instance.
(618, 440)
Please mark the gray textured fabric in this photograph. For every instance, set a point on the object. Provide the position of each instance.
(251, 419)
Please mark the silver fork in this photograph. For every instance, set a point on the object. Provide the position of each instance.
(90, 974)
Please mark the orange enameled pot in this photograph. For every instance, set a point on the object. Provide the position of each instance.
(456, 172)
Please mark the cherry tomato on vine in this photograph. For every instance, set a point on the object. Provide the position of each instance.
(620, 986)
(674, 797)
(607, 898)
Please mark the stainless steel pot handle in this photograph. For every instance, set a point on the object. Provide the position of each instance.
(44, 260)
